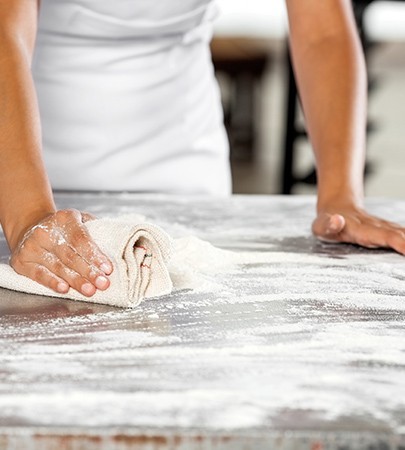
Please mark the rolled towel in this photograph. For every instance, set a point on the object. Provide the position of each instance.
(139, 253)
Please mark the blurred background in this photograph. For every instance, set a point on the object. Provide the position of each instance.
(270, 152)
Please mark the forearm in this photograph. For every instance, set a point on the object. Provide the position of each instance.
(60, 254)
(332, 82)
(25, 194)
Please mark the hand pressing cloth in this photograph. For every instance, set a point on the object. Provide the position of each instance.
(139, 253)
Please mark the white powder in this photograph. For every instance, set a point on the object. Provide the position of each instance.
(195, 263)
(258, 335)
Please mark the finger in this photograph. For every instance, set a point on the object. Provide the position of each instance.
(368, 235)
(71, 259)
(335, 224)
(79, 239)
(53, 264)
(371, 236)
(328, 227)
(365, 232)
(376, 234)
(396, 240)
(42, 275)
(384, 223)
(82, 243)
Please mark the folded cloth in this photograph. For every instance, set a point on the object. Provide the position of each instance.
(139, 253)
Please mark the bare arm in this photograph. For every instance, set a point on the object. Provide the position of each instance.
(25, 194)
(331, 74)
(23, 181)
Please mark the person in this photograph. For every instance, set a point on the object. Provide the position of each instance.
(128, 101)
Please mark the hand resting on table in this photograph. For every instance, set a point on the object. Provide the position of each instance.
(355, 226)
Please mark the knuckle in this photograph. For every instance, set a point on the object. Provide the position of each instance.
(78, 236)
(78, 283)
(69, 274)
(17, 264)
(68, 255)
(93, 253)
(38, 234)
(53, 284)
(28, 246)
(394, 237)
(71, 211)
(38, 273)
(49, 280)
(364, 242)
(73, 214)
(92, 273)
(64, 216)
(58, 266)
(400, 234)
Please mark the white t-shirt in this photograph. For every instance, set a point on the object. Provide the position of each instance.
(128, 98)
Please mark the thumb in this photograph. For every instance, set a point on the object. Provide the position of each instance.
(328, 226)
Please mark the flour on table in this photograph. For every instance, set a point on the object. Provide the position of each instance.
(195, 264)
(195, 261)
(326, 331)
(192, 258)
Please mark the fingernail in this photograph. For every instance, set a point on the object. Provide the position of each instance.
(106, 268)
(333, 226)
(87, 289)
(101, 282)
(62, 287)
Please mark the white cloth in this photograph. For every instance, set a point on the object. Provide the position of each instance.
(139, 254)
(128, 98)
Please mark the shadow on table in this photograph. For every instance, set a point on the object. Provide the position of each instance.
(21, 304)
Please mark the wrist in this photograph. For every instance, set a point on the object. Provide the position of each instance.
(342, 199)
(14, 230)
(25, 200)
(341, 181)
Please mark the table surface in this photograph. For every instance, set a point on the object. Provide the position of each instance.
(304, 351)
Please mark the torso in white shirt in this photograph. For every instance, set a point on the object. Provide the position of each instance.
(128, 98)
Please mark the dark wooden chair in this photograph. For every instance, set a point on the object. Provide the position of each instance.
(243, 61)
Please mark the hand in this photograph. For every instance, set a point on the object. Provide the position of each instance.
(354, 225)
(59, 253)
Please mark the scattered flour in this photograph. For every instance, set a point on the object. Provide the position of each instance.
(256, 335)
